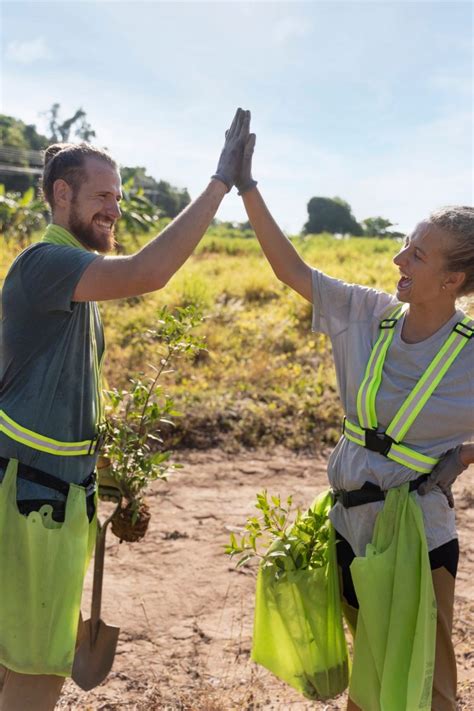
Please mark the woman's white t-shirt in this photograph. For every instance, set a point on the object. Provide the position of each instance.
(350, 315)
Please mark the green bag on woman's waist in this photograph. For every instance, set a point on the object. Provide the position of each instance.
(394, 646)
(298, 633)
(42, 564)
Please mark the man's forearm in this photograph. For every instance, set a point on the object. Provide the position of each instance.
(156, 263)
(283, 257)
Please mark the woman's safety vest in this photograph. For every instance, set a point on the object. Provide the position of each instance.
(42, 561)
(391, 442)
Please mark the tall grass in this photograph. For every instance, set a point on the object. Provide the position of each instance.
(265, 378)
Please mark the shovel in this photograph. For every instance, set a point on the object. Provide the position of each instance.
(95, 655)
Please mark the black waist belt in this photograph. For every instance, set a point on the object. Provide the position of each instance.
(369, 493)
(38, 476)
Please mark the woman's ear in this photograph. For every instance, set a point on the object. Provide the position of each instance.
(454, 281)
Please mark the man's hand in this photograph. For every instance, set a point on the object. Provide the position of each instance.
(231, 157)
(244, 181)
(444, 474)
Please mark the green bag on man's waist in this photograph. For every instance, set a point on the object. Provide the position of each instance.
(43, 564)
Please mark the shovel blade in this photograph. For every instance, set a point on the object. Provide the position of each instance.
(95, 655)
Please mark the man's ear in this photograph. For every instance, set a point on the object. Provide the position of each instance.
(62, 192)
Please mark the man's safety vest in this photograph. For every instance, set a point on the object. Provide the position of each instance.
(36, 440)
(390, 443)
(43, 562)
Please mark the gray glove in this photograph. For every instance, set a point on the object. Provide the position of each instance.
(244, 180)
(444, 474)
(231, 156)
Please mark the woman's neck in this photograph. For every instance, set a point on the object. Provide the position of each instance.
(421, 322)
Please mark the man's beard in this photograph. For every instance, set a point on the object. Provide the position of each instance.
(85, 234)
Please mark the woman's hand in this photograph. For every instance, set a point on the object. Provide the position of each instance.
(244, 181)
(445, 474)
(230, 160)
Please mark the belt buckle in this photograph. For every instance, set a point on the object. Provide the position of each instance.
(378, 442)
(342, 496)
(91, 487)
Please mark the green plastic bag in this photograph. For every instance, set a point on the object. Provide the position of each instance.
(42, 564)
(298, 633)
(394, 647)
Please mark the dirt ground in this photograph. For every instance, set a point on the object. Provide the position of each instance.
(185, 612)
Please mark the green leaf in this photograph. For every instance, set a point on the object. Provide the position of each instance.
(27, 197)
(244, 560)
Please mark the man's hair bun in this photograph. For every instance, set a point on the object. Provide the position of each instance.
(53, 150)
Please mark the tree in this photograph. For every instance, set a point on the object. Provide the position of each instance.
(60, 132)
(331, 215)
(169, 199)
(20, 157)
(376, 227)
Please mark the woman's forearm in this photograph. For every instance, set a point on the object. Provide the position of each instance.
(283, 257)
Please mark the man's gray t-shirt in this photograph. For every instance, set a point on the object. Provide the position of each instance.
(47, 364)
(350, 315)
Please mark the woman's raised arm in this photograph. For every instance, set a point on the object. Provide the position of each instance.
(283, 257)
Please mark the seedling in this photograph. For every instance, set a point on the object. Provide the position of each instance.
(277, 543)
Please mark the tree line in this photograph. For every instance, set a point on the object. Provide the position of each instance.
(20, 166)
(334, 215)
(20, 159)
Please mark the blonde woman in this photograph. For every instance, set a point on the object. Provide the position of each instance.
(436, 267)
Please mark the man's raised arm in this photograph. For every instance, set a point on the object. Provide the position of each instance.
(152, 267)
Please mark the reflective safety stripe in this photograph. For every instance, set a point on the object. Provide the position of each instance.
(53, 446)
(44, 444)
(428, 382)
(398, 452)
(389, 443)
(373, 373)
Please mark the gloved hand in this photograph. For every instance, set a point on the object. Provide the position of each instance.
(444, 474)
(231, 156)
(244, 181)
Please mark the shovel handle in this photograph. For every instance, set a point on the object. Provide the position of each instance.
(99, 568)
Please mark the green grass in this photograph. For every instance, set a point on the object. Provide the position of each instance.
(265, 378)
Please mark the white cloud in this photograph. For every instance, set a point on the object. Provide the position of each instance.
(454, 84)
(289, 28)
(28, 51)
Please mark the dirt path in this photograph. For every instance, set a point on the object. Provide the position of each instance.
(186, 613)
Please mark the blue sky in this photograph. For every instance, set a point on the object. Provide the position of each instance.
(370, 101)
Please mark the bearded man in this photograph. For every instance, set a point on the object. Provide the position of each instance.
(50, 400)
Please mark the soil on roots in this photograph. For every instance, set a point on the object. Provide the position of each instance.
(126, 528)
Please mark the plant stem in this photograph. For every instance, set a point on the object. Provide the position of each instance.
(150, 390)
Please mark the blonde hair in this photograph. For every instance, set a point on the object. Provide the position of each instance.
(458, 222)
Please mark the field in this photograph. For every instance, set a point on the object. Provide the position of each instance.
(264, 379)
(259, 410)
